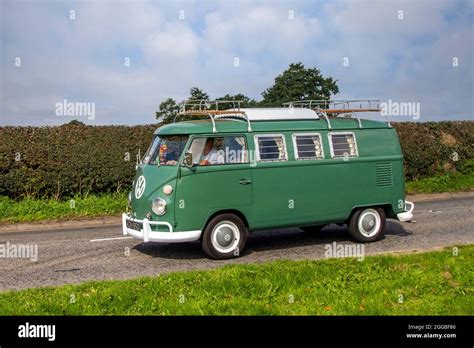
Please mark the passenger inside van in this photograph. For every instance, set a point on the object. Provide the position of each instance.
(210, 155)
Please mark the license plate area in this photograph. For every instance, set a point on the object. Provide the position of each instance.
(134, 225)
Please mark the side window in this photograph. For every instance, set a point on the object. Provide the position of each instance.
(343, 145)
(270, 147)
(219, 150)
(308, 146)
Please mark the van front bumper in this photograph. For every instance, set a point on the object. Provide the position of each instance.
(146, 234)
(407, 215)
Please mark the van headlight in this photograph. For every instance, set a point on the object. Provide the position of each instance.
(129, 200)
(158, 206)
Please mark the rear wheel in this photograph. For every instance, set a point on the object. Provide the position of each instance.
(224, 237)
(367, 224)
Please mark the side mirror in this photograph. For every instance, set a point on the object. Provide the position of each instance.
(188, 159)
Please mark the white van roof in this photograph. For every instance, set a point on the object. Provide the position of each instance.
(269, 114)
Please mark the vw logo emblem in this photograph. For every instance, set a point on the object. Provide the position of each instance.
(140, 187)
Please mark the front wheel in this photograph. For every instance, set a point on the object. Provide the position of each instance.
(224, 237)
(367, 224)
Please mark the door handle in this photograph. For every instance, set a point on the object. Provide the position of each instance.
(245, 181)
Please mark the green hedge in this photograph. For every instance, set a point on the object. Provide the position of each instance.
(76, 159)
(69, 159)
(433, 148)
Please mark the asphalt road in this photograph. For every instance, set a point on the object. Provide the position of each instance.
(76, 255)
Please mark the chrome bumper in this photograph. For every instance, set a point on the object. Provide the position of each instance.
(407, 215)
(148, 235)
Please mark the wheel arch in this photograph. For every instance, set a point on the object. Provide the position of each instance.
(227, 211)
(387, 207)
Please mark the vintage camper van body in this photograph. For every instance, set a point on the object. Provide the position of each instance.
(322, 170)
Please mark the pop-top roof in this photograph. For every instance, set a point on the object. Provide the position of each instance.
(275, 114)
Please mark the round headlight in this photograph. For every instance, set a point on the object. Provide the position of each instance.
(158, 206)
(167, 189)
(129, 200)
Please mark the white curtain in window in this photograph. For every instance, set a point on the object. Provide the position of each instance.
(241, 142)
(281, 150)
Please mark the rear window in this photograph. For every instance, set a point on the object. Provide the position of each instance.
(308, 146)
(271, 148)
(343, 145)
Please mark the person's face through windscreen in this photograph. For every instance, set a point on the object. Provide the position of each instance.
(209, 145)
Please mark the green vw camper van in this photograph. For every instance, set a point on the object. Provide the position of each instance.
(222, 174)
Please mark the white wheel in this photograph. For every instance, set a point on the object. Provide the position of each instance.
(367, 224)
(225, 237)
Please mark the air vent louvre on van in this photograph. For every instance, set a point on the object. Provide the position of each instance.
(384, 174)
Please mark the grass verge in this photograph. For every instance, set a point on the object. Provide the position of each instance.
(432, 283)
(30, 209)
(451, 182)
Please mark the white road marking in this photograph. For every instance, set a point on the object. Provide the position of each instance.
(104, 239)
(428, 211)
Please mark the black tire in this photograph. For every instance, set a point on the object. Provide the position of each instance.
(214, 241)
(312, 229)
(361, 227)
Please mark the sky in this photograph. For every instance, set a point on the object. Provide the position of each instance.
(121, 58)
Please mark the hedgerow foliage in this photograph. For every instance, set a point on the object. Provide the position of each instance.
(76, 159)
(432, 148)
(69, 159)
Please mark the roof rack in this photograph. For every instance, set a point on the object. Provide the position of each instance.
(295, 110)
(204, 107)
(206, 104)
(337, 108)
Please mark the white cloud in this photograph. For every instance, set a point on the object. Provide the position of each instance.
(176, 41)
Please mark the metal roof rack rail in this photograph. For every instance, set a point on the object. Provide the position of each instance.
(337, 108)
(210, 108)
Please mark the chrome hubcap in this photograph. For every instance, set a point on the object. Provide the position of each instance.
(225, 237)
(369, 222)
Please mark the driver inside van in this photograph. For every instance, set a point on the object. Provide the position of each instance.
(210, 155)
(168, 156)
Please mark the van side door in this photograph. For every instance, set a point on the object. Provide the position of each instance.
(273, 183)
